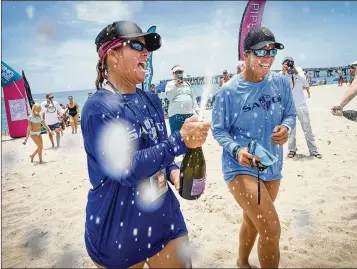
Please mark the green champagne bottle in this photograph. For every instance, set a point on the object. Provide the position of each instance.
(193, 174)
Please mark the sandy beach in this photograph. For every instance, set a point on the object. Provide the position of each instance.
(43, 206)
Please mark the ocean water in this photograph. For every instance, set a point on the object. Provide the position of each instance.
(82, 95)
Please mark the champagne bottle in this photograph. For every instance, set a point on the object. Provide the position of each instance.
(192, 174)
(350, 115)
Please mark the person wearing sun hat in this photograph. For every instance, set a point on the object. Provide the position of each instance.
(182, 103)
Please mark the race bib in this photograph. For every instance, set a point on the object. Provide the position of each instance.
(158, 184)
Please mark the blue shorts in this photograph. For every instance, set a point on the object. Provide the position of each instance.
(176, 121)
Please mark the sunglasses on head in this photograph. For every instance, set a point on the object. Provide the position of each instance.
(264, 52)
(136, 45)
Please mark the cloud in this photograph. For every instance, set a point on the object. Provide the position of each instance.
(69, 66)
(30, 11)
(202, 49)
(104, 12)
(60, 55)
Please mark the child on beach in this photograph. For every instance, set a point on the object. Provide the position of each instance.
(34, 130)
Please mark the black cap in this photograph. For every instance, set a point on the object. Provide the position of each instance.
(127, 29)
(258, 38)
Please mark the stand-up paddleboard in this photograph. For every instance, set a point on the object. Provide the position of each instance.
(252, 18)
(15, 101)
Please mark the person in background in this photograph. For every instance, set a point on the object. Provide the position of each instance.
(225, 78)
(297, 83)
(119, 231)
(182, 103)
(73, 112)
(309, 78)
(50, 111)
(352, 73)
(340, 77)
(34, 130)
(62, 118)
(256, 105)
(350, 93)
(240, 67)
(89, 95)
(153, 88)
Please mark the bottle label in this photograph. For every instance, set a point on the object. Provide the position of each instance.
(198, 185)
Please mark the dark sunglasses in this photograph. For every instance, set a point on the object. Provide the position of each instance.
(264, 52)
(136, 45)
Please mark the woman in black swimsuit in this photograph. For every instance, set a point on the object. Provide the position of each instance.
(73, 111)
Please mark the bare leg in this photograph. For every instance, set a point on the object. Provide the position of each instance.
(248, 233)
(138, 265)
(58, 137)
(40, 148)
(173, 255)
(263, 216)
(50, 135)
(71, 122)
(75, 123)
(37, 141)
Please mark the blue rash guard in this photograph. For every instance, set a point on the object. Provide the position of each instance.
(244, 111)
(118, 233)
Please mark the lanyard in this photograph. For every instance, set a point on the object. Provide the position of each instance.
(133, 111)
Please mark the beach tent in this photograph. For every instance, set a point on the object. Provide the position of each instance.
(15, 101)
(161, 87)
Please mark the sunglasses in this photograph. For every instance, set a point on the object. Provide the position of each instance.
(263, 52)
(136, 45)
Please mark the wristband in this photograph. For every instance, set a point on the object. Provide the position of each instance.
(235, 151)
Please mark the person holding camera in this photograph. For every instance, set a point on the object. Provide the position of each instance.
(240, 67)
(297, 83)
(224, 79)
(182, 103)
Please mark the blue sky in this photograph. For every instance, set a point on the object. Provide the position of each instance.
(54, 41)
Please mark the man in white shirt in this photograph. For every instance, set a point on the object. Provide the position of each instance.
(297, 83)
(182, 103)
(50, 111)
(225, 78)
(240, 67)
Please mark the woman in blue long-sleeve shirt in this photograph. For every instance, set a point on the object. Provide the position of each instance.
(255, 105)
(132, 215)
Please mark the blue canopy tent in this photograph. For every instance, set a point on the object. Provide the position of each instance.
(161, 87)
